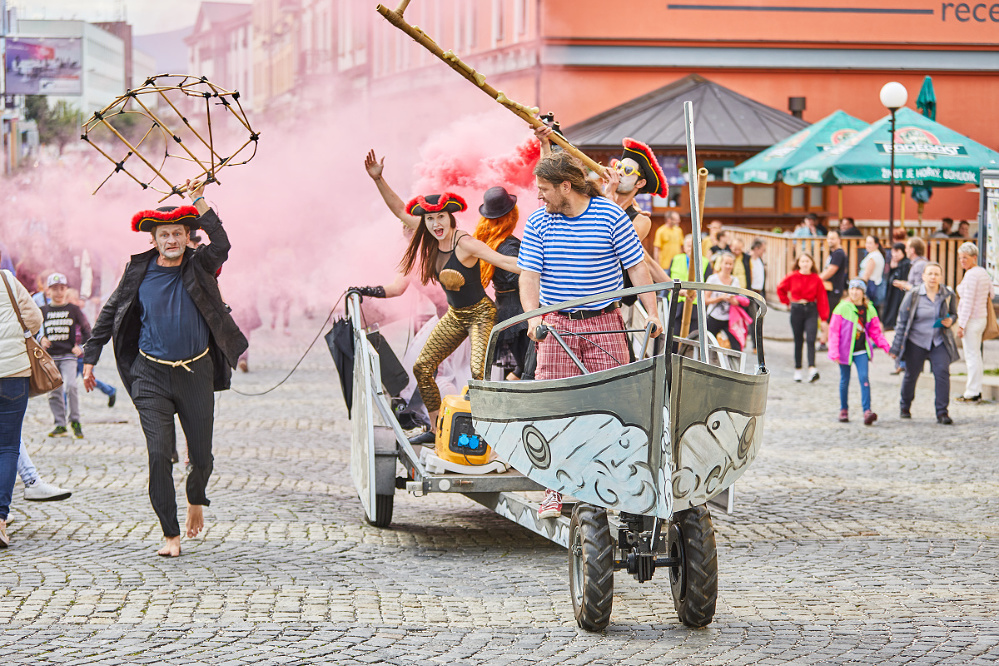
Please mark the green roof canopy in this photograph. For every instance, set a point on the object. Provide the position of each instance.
(926, 153)
(768, 166)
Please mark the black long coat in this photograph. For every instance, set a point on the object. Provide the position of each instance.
(120, 318)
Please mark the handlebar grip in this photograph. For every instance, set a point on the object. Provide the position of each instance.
(541, 332)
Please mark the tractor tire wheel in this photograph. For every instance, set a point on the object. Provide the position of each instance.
(694, 581)
(383, 511)
(591, 567)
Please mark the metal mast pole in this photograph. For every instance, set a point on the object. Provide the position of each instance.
(891, 191)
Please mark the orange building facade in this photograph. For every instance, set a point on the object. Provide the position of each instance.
(581, 57)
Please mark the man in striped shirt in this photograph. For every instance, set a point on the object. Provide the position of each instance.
(572, 248)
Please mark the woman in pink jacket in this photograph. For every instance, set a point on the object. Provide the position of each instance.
(854, 327)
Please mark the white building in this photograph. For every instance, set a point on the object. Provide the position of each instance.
(143, 67)
(220, 47)
(103, 60)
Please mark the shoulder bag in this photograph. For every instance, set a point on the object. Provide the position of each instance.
(991, 327)
(45, 375)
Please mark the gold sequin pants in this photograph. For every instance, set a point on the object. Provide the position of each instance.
(474, 322)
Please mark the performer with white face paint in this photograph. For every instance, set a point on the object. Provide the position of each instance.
(175, 344)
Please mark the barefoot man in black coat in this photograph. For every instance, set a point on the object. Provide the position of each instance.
(175, 344)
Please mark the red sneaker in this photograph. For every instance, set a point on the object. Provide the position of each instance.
(870, 417)
(844, 416)
(551, 507)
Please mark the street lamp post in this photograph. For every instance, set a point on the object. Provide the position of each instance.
(893, 96)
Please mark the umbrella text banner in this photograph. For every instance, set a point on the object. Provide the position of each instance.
(926, 153)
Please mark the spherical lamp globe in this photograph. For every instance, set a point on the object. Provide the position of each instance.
(894, 95)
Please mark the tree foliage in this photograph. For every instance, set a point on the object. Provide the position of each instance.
(57, 124)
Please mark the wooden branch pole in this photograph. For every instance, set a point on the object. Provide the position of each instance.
(479, 81)
(688, 304)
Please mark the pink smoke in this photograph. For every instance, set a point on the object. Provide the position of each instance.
(304, 219)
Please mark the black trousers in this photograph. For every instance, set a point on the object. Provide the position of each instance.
(716, 326)
(159, 392)
(915, 358)
(804, 326)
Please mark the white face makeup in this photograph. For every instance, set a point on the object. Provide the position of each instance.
(630, 175)
(438, 224)
(171, 240)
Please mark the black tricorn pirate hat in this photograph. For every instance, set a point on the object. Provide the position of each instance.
(435, 203)
(655, 179)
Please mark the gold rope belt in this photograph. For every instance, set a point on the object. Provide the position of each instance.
(176, 364)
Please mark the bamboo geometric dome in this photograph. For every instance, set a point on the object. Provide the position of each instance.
(165, 141)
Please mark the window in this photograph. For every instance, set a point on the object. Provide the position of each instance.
(759, 197)
(519, 18)
(798, 198)
(720, 196)
(815, 198)
(470, 26)
(498, 26)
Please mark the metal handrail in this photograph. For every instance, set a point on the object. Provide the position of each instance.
(698, 287)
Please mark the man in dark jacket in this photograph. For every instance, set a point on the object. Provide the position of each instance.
(175, 344)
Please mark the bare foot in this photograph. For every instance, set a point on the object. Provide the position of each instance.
(171, 549)
(195, 520)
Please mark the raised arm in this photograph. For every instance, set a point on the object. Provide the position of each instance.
(374, 167)
(472, 247)
(543, 132)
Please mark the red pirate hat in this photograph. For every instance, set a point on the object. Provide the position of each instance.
(435, 203)
(148, 220)
(655, 179)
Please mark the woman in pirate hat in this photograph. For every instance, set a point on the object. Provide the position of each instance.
(439, 252)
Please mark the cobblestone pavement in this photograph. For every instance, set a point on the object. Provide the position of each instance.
(849, 545)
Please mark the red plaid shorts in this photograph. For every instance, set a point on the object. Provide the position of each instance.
(554, 363)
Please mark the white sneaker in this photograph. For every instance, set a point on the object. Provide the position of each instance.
(39, 491)
(798, 376)
(813, 375)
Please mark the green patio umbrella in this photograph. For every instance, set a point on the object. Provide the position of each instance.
(767, 166)
(927, 105)
(926, 153)
(927, 100)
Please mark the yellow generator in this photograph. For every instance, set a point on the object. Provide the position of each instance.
(456, 440)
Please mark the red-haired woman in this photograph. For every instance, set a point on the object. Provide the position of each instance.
(439, 252)
(803, 291)
(499, 217)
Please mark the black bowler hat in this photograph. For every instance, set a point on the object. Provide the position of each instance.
(496, 202)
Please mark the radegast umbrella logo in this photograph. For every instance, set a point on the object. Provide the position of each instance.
(788, 147)
(920, 144)
(838, 137)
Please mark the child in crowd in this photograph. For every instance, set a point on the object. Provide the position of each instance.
(61, 322)
(854, 327)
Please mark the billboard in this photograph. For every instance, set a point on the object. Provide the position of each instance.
(43, 66)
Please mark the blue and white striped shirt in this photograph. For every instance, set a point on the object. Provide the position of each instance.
(580, 256)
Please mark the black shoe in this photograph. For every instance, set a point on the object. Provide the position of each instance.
(905, 414)
(944, 419)
(423, 438)
(112, 398)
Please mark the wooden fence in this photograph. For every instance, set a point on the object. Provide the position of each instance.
(782, 249)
